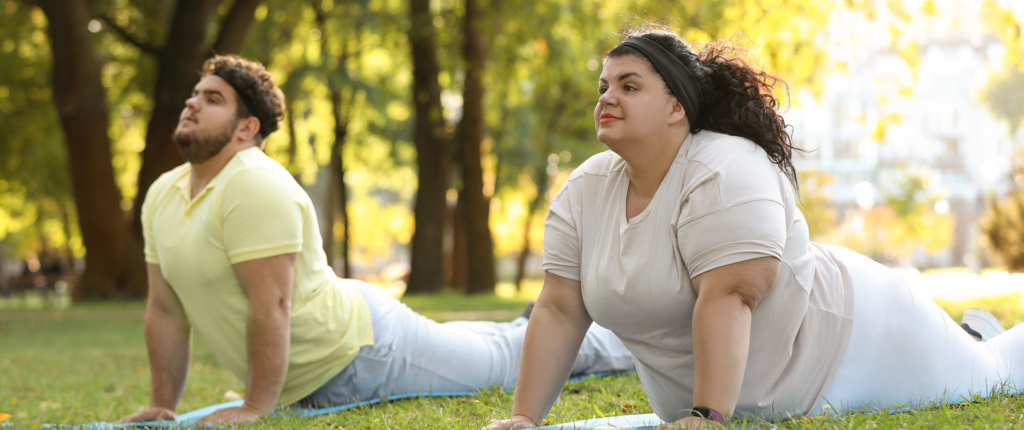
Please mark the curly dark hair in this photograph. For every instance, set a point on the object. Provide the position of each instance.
(738, 97)
(256, 90)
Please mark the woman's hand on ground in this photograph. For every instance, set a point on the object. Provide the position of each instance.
(689, 423)
(238, 415)
(518, 422)
(152, 414)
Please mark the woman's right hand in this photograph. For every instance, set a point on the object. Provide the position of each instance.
(518, 422)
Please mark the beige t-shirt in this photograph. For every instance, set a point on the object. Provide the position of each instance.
(721, 202)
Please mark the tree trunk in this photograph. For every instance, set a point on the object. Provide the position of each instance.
(337, 192)
(427, 274)
(177, 73)
(459, 258)
(293, 145)
(480, 271)
(82, 106)
(541, 181)
(3, 268)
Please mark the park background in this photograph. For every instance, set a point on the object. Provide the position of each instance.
(431, 135)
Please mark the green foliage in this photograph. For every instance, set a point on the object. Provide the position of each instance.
(543, 63)
(814, 202)
(916, 222)
(1004, 95)
(35, 185)
(1001, 20)
(1002, 224)
(904, 223)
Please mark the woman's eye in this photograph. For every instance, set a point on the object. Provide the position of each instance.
(630, 88)
(602, 90)
(212, 101)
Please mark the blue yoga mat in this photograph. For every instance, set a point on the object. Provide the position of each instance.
(188, 419)
(624, 422)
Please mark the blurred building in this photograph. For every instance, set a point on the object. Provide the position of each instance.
(878, 116)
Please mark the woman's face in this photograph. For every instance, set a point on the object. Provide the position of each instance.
(634, 105)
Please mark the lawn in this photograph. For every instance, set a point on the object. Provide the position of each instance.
(88, 363)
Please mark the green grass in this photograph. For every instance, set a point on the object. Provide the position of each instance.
(88, 363)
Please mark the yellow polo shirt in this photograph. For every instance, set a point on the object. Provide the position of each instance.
(253, 209)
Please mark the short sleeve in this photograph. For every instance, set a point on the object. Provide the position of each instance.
(727, 221)
(262, 215)
(149, 243)
(561, 238)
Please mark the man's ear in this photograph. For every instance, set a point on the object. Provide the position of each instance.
(247, 128)
(678, 112)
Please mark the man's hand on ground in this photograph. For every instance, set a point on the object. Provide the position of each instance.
(151, 414)
(238, 415)
(518, 422)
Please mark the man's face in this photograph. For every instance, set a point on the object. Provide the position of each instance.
(209, 121)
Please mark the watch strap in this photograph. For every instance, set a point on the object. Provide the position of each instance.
(707, 413)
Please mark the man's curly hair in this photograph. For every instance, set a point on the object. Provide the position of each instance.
(256, 90)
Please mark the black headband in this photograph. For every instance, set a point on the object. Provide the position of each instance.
(678, 78)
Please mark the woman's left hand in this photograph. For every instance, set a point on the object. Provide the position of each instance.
(230, 416)
(689, 423)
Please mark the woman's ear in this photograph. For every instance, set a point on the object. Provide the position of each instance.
(678, 112)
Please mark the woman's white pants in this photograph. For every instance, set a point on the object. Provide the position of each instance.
(905, 351)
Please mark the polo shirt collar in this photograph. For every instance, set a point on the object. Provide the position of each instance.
(184, 182)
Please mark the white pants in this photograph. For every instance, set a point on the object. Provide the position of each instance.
(905, 351)
(412, 355)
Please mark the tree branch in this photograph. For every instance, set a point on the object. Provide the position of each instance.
(130, 38)
(235, 27)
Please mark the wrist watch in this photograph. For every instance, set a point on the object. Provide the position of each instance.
(707, 413)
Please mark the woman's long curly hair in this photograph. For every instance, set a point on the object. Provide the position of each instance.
(738, 97)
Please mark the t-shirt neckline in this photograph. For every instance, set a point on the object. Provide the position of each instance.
(625, 222)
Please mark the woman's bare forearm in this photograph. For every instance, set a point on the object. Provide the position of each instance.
(558, 324)
(721, 341)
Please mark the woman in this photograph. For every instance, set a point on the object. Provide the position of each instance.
(685, 240)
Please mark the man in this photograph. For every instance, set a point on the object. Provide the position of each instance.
(233, 251)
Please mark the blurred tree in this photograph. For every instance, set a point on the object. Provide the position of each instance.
(1003, 95)
(35, 184)
(526, 71)
(814, 202)
(1002, 224)
(81, 103)
(1001, 20)
(335, 71)
(905, 223)
(432, 154)
(470, 133)
(919, 224)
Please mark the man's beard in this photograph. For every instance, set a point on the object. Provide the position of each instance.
(198, 146)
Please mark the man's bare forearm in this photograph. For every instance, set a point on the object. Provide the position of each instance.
(169, 343)
(268, 342)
